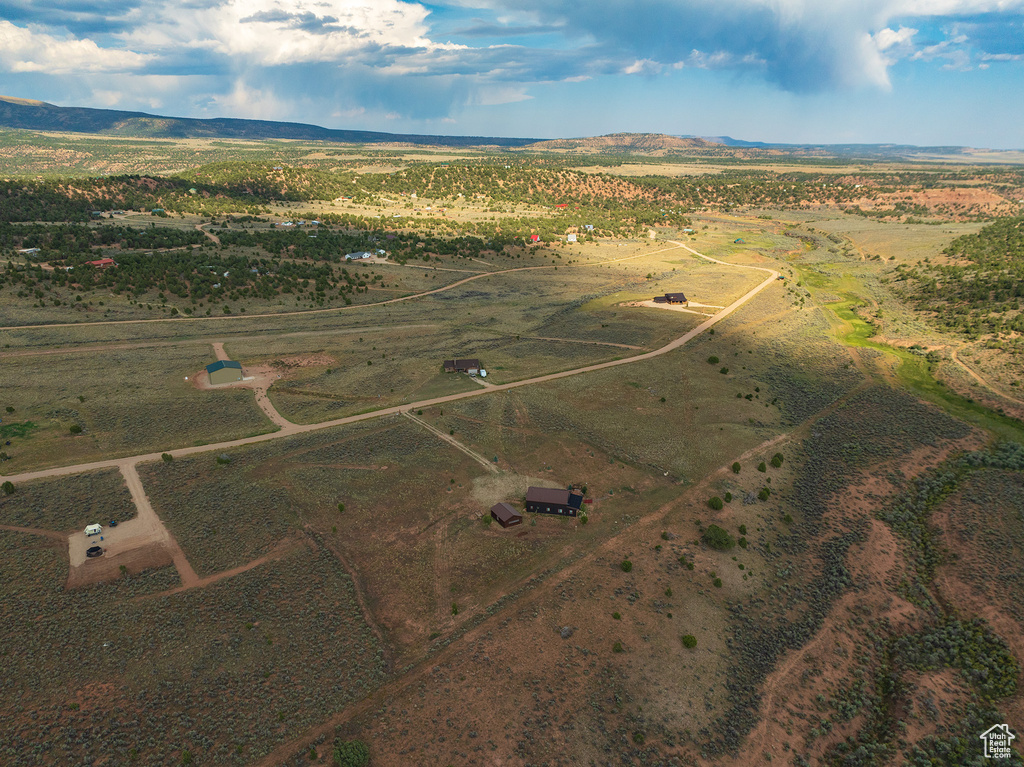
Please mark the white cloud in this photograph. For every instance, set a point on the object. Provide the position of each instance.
(887, 38)
(33, 50)
(642, 67)
(280, 32)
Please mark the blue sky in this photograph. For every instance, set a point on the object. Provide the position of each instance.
(800, 71)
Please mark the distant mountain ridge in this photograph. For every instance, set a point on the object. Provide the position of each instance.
(27, 114)
(625, 142)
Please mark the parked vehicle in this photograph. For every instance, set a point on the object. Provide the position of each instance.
(93, 529)
(94, 551)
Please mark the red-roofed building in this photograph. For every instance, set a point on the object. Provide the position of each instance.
(102, 263)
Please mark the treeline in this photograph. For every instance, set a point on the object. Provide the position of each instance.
(982, 292)
(248, 187)
(65, 240)
(192, 275)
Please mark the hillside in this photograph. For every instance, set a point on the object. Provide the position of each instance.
(622, 143)
(37, 115)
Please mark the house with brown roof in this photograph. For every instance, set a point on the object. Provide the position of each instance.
(471, 366)
(547, 500)
(506, 515)
(672, 298)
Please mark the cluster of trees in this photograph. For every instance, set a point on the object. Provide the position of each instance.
(193, 276)
(982, 292)
(66, 240)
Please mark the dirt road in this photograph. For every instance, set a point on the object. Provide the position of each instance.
(146, 512)
(977, 377)
(292, 429)
(453, 442)
(181, 318)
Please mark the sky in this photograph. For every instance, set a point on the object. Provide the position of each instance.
(925, 72)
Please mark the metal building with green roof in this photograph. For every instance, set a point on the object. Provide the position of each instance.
(224, 371)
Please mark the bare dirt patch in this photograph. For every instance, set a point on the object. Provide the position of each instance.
(826, 665)
(144, 556)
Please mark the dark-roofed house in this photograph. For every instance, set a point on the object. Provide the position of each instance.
(546, 500)
(506, 515)
(471, 366)
(676, 298)
(224, 371)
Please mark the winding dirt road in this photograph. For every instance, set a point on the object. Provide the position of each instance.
(294, 429)
(181, 318)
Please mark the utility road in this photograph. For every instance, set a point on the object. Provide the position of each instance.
(292, 429)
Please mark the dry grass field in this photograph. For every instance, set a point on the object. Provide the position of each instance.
(83, 406)
(784, 546)
(129, 674)
(68, 504)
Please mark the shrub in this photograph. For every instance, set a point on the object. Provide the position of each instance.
(617, 616)
(77, 429)
(724, 371)
(583, 518)
(8, 488)
(10, 409)
(455, 608)
(617, 647)
(713, 360)
(788, 519)
(341, 507)
(626, 565)
(668, 592)
(728, 497)
(351, 753)
(638, 738)
(777, 460)
(736, 468)
(715, 503)
(689, 641)
(742, 542)
(223, 458)
(664, 535)
(765, 492)
(761, 467)
(167, 457)
(718, 538)
(743, 529)
(717, 582)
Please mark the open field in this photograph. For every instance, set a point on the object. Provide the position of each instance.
(222, 672)
(796, 510)
(68, 504)
(119, 403)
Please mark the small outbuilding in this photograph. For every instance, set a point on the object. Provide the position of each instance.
(506, 515)
(471, 366)
(224, 371)
(546, 500)
(93, 530)
(102, 263)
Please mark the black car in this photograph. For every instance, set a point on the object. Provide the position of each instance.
(94, 551)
